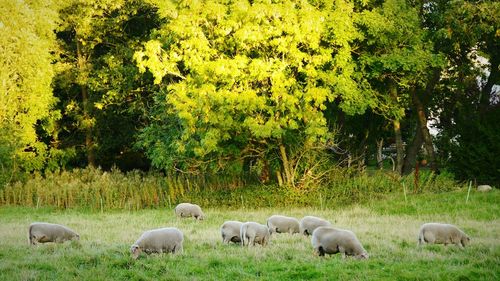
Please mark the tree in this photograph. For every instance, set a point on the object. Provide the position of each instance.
(103, 95)
(467, 33)
(397, 58)
(247, 78)
(26, 99)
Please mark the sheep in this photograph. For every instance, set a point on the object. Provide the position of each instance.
(184, 210)
(252, 232)
(282, 224)
(41, 232)
(161, 240)
(484, 188)
(309, 223)
(230, 231)
(438, 233)
(329, 240)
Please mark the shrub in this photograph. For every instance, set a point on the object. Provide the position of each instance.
(98, 190)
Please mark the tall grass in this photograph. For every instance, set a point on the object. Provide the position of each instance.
(88, 188)
(99, 190)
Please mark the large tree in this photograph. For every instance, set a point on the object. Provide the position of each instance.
(398, 59)
(103, 95)
(468, 34)
(26, 73)
(248, 78)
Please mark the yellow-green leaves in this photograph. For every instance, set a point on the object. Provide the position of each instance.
(26, 72)
(243, 74)
(159, 62)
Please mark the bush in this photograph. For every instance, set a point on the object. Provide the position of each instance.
(473, 152)
(97, 190)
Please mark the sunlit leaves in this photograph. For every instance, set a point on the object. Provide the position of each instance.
(26, 73)
(252, 73)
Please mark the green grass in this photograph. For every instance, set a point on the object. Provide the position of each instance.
(387, 228)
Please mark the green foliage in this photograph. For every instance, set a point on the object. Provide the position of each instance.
(468, 110)
(396, 50)
(473, 153)
(88, 189)
(103, 95)
(260, 89)
(94, 189)
(240, 79)
(26, 74)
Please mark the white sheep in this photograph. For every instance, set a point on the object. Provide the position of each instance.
(41, 232)
(230, 231)
(161, 240)
(252, 232)
(438, 233)
(184, 210)
(309, 223)
(329, 240)
(484, 188)
(282, 224)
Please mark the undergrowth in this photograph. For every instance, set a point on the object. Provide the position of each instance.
(99, 190)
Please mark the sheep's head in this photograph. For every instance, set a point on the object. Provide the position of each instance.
(363, 255)
(465, 240)
(135, 250)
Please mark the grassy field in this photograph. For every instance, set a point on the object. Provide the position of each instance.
(387, 228)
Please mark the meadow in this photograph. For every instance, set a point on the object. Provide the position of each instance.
(387, 228)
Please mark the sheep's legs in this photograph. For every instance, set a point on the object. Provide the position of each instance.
(321, 252)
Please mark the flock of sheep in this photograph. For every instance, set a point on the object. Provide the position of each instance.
(325, 238)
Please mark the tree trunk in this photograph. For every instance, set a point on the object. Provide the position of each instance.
(412, 152)
(399, 146)
(393, 92)
(380, 161)
(286, 166)
(87, 122)
(422, 123)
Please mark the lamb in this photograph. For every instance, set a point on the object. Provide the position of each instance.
(252, 232)
(41, 232)
(309, 223)
(329, 240)
(161, 240)
(438, 233)
(189, 210)
(282, 224)
(230, 231)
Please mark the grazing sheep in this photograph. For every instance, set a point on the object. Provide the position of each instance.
(282, 224)
(230, 231)
(309, 223)
(185, 210)
(329, 240)
(252, 232)
(41, 232)
(161, 240)
(438, 233)
(484, 188)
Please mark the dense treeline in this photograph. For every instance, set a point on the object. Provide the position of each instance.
(281, 91)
